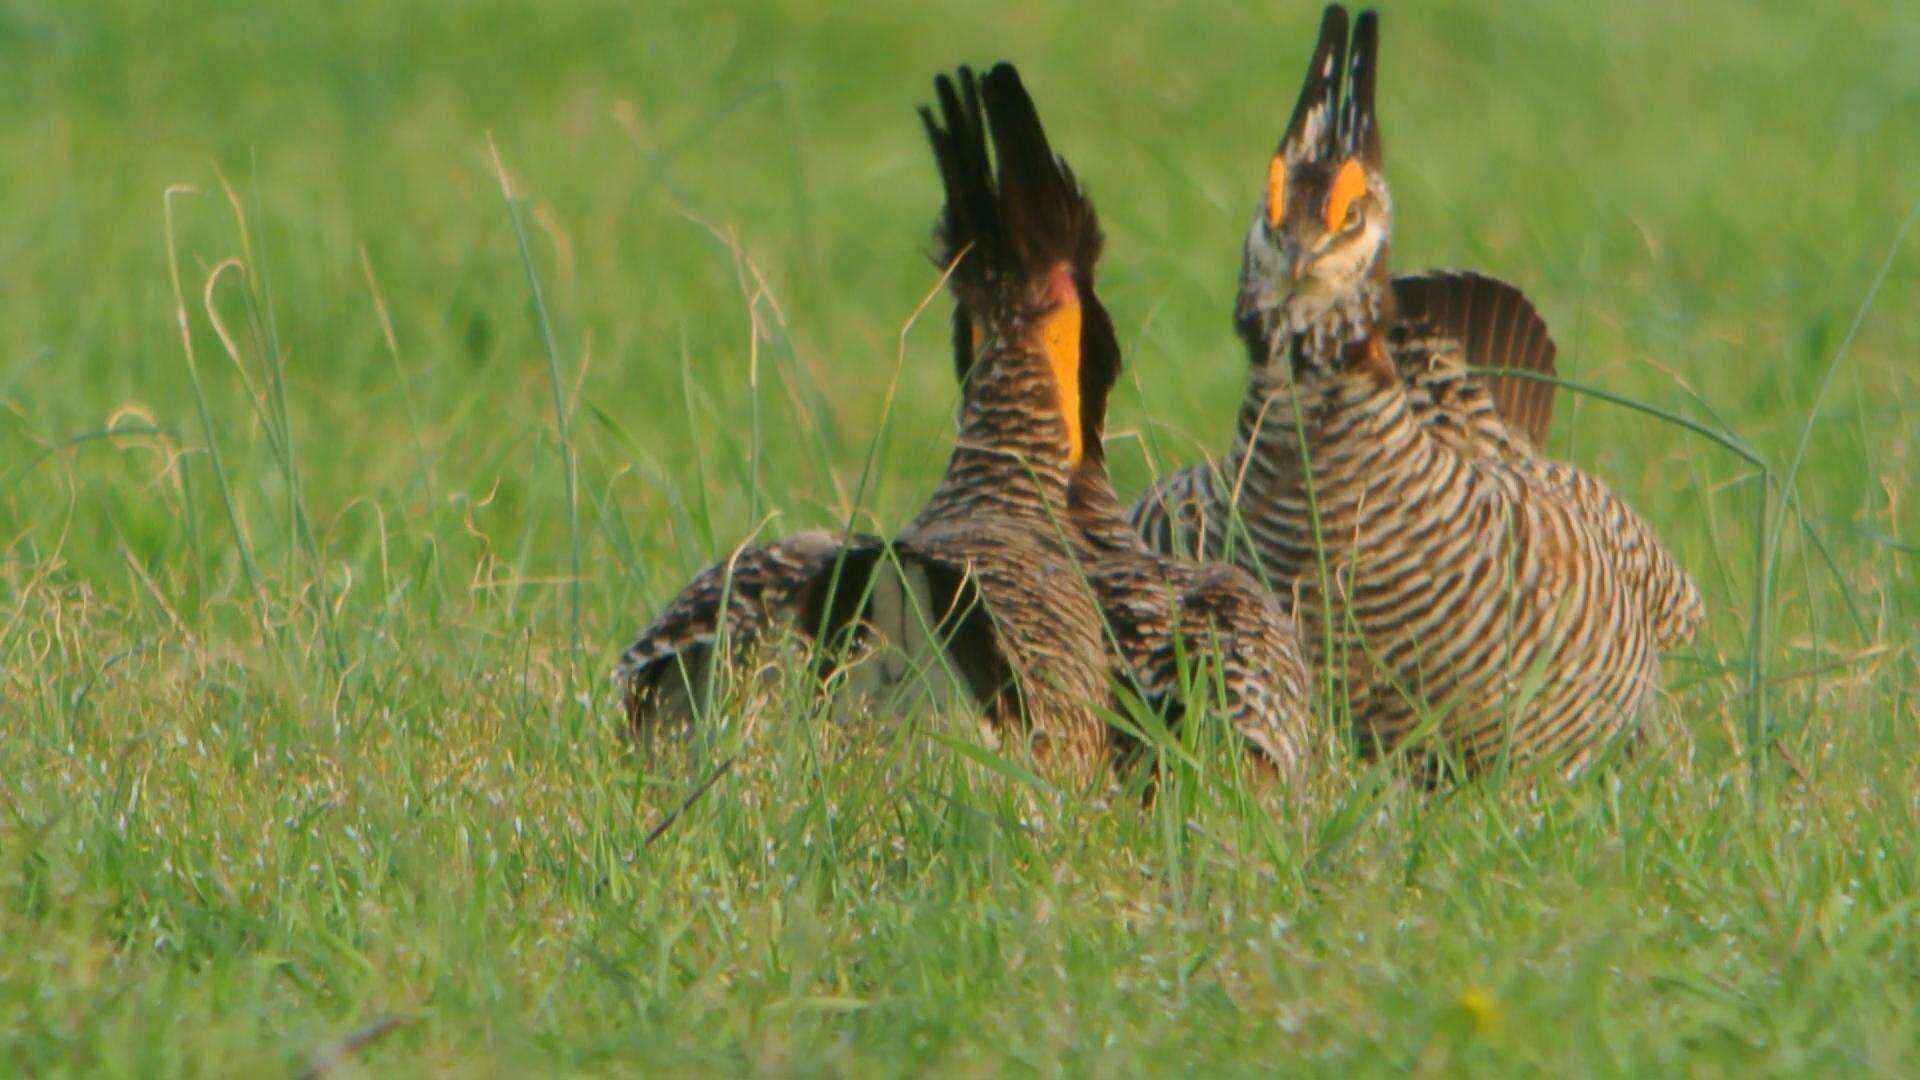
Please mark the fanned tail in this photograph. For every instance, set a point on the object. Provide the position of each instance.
(1497, 327)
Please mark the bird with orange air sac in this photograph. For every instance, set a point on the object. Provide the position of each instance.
(1018, 586)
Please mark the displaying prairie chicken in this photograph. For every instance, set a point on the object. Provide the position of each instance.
(1237, 644)
(1444, 570)
(997, 579)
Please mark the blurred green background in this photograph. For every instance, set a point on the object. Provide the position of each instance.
(1696, 197)
(728, 209)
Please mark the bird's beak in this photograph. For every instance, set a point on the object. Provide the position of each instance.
(1298, 268)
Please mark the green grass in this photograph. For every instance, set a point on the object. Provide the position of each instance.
(305, 620)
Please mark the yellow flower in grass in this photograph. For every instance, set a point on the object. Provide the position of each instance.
(1480, 1011)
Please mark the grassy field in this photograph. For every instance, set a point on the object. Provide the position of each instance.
(306, 613)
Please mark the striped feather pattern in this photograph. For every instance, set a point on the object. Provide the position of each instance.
(1454, 586)
(1231, 635)
(1466, 576)
(1447, 577)
(985, 576)
(1019, 578)
(736, 605)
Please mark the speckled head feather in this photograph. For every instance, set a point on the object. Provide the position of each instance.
(1316, 257)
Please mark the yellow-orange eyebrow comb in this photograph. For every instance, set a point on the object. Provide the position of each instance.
(1348, 184)
(1276, 191)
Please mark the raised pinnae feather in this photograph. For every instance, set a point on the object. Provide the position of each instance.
(1310, 133)
(1011, 223)
(1027, 217)
(969, 222)
(1359, 129)
(1046, 215)
(968, 228)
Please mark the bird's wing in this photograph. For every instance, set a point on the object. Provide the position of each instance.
(914, 608)
(734, 605)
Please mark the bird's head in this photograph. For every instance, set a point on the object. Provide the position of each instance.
(1316, 256)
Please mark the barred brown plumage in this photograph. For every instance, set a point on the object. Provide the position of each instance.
(1444, 570)
(985, 576)
(1446, 324)
(1158, 611)
(1031, 586)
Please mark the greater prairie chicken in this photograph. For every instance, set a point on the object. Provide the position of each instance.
(998, 575)
(1158, 611)
(1444, 569)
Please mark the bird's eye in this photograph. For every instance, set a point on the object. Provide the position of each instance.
(1352, 219)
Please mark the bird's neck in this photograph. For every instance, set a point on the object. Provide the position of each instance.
(1349, 328)
(1013, 451)
(1096, 512)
